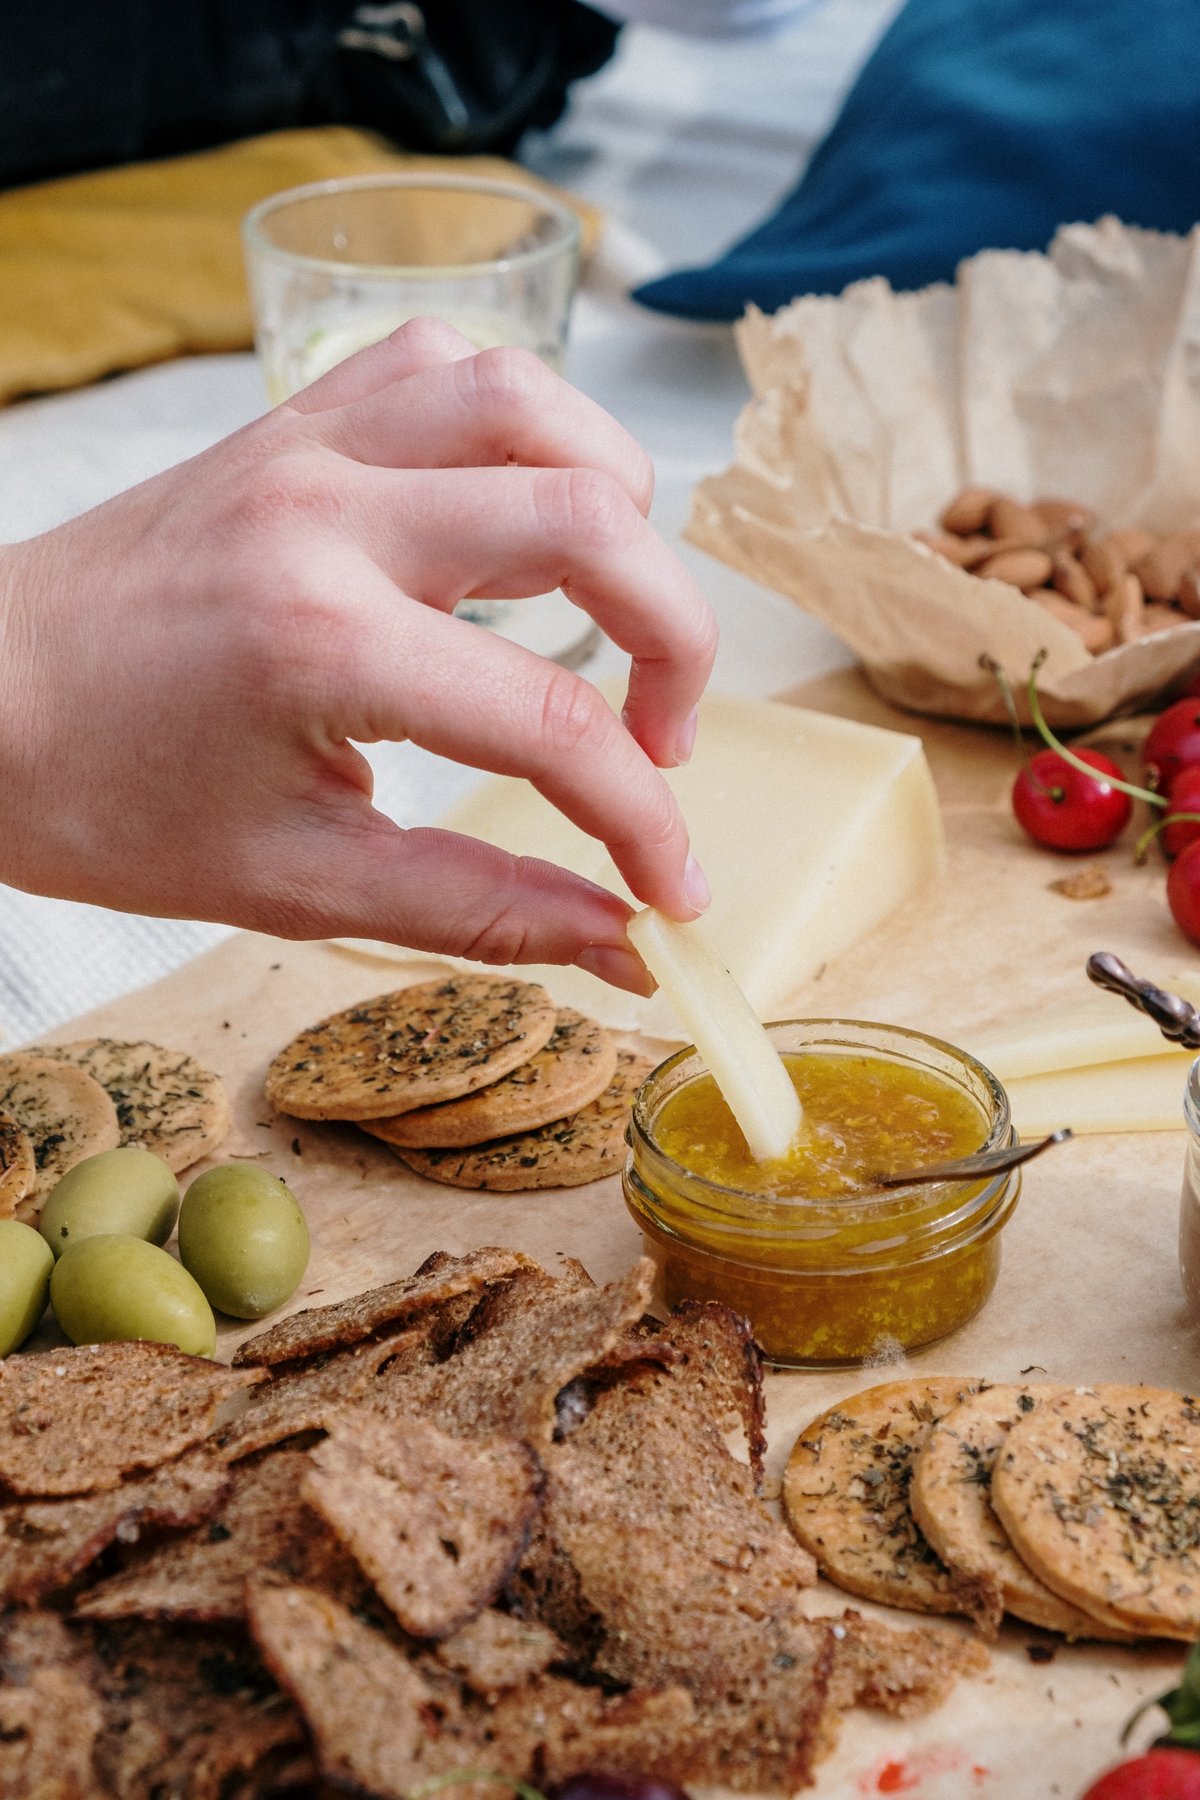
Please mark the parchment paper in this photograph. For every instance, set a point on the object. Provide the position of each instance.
(1073, 374)
(1089, 1290)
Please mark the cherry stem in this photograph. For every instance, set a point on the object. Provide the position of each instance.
(1077, 762)
(989, 663)
(1148, 836)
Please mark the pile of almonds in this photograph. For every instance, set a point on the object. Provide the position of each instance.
(1111, 588)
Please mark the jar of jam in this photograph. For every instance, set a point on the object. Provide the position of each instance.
(828, 1267)
(1189, 1205)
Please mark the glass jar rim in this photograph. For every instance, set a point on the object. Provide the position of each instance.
(569, 235)
(1191, 1098)
(731, 1202)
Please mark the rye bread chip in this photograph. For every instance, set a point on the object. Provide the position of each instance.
(48, 1732)
(262, 1529)
(950, 1498)
(44, 1544)
(18, 1167)
(186, 1713)
(78, 1420)
(439, 1279)
(415, 1047)
(572, 1068)
(585, 1147)
(904, 1672)
(435, 1523)
(165, 1100)
(526, 1340)
(1099, 1492)
(845, 1495)
(494, 1652)
(301, 1396)
(66, 1114)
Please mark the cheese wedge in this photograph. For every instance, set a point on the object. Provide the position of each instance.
(811, 830)
(1096, 1028)
(1144, 1093)
(736, 1050)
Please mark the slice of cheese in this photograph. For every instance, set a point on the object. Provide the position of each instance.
(811, 830)
(1142, 1094)
(1096, 1028)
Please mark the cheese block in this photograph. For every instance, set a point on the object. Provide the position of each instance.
(1144, 1093)
(811, 830)
(1096, 1028)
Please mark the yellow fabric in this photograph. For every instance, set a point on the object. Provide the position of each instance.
(109, 271)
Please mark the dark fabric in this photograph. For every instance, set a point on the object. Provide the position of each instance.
(91, 83)
(978, 124)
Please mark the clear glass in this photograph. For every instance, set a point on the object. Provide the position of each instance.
(1189, 1204)
(338, 265)
(830, 1281)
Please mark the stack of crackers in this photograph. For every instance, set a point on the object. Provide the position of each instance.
(475, 1080)
(482, 1518)
(60, 1103)
(1076, 1509)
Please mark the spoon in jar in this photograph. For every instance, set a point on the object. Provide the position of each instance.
(967, 1168)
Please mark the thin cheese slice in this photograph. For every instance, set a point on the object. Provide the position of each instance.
(1096, 1028)
(736, 1050)
(811, 830)
(1143, 1094)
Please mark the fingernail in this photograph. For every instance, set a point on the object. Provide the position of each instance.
(696, 890)
(619, 967)
(685, 743)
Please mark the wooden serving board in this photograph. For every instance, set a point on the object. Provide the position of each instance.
(1089, 1289)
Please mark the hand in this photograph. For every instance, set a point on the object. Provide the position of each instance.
(183, 670)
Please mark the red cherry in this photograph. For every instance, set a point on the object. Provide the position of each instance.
(1174, 742)
(1184, 795)
(1169, 1773)
(1183, 891)
(1064, 809)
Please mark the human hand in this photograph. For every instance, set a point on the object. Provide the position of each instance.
(183, 670)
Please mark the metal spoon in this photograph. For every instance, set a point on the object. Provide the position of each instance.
(1178, 1020)
(966, 1168)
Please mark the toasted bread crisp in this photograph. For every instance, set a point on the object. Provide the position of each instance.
(48, 1732)
(416, 1047)
(301, 1397)
(572, 1068)
(18, 1167)
(1099, 1491)
(165, 1100)
(76, 1421)
(585, 1147)
(437, 1525)
(900, 1672)
(263, 1528)
(495, 1652)
(45, 1543)
(65, 1113)
(439, 1279)
(845, 1494)
(951, 1501)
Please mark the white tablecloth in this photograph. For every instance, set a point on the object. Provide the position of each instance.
(684, 145)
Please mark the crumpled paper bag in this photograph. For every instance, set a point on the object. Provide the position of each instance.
(1076, 374)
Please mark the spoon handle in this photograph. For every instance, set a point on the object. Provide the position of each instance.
(965, 1168)
(1177, 1019)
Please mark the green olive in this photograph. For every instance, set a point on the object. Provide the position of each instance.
(25, 1265)
(128, 1193)
(104, 1288)
(243, 1237)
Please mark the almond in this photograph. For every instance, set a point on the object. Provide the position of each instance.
(1065, 518)
(1027, 568)
(1132, 543)
(1126, 609)
(1103, 565)
(1072, 579)
(1188, 594)
(968, 511)
(1094, 629)
(1162, 569)
(1009, 519)
(1156, 617)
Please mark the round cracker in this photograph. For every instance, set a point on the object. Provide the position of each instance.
(585, 1147)
(415, 1047)
(950, 1498)
(572, 1068)
(845, 1495)
(1099, 1491)
(66, 1113)
(18, 1167)
(166, 1101)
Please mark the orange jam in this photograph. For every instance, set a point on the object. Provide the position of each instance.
(827, 1268)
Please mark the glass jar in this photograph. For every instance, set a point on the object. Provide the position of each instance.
(1189, 1204)
(828, 1281)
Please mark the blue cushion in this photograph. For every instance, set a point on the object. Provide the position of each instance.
(978, 124)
